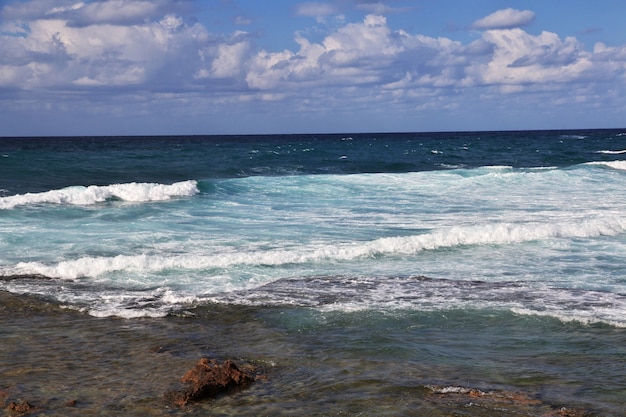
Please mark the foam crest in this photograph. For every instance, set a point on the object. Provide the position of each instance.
(345, 293)
(619, 165)
(93, 194)
(586, 317)
(610, 152)
(158, 303)
(455, 237)
(502, 233)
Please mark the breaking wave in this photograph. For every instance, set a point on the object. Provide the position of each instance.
(610, 152)
(492, 234)
(93, 194)
(619, 165)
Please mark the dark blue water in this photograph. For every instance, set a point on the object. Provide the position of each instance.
(40, 164)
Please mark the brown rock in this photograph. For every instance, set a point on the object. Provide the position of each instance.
(516, 402)
(21, 407)
(567, 412)
(209, 379)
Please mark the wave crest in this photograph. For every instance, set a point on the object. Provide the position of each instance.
(619, 165)
(610, 152)
(490, 234)
(93, 194)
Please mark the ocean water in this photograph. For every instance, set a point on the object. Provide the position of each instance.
(490, 259)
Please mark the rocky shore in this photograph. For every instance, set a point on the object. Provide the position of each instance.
(60, 362)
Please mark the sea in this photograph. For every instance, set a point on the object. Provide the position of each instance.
(374, 273)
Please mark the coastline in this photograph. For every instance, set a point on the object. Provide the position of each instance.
(64, 362)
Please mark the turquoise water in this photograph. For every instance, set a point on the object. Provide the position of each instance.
(480, 259)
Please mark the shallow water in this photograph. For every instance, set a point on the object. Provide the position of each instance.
(362, 363)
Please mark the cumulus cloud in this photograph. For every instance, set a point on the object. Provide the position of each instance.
(225, 58)
(505, 19)
(134, 42)
(117, 43)
(522, 59)
(366, 53)
(114, 47)
(370, 53)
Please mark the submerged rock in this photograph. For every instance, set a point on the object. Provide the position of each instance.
(489, 402)
(21, 407)
(208, 379)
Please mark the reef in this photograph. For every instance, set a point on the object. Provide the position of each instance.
(21, 407)
(497, 400)
(209, 379)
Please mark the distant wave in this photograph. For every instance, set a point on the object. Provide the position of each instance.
(619, 165)
(79, 195)
(609, 152)
(574, 136)
(492, 234)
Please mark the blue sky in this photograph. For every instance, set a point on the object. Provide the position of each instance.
(137, 67)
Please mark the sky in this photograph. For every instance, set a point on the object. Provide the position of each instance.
(192, 67)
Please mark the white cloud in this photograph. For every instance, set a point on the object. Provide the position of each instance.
(505, 19)
(79, 13)
(345, 56)
(366, 53)
(151, 52)
(226, 59)
(522, 59)
(54, 53)
(165, 51)
(112, 12)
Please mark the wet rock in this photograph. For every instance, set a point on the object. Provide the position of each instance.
(462, 393)
(158, 349)
(493, 400)
(208, 379)
(24, 277)
(21, 407)
(568, 412)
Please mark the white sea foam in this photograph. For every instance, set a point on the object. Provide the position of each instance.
(619, 165)
(79, 195)
(612, 317)
(454, 237)
(126, 313)
(491, 224)
(157, 303)
(610, 152)
(503, 233)
(453, 390)
(350, 294)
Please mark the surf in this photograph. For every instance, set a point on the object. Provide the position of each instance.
(94, 194)
(221, 258)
